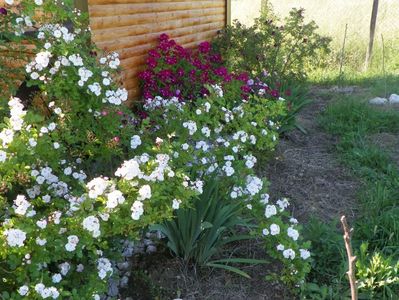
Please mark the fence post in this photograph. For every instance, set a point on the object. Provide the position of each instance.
(228, 12)
(373, 22)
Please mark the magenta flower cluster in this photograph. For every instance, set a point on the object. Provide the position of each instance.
(175, 71)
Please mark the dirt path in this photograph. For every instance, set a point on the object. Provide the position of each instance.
(306, 169)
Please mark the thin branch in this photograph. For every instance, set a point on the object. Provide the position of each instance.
(351, 258)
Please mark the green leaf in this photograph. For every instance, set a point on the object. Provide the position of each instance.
(229, 268)
(241, 261)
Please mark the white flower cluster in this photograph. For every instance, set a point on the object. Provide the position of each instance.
(38, 68)
(114, 199)
(112, 60)
(227, 168)
(104, 267)
(56, 31)
(137, 210)
(3, 156)
(218, 90)
(130, 170)
(224, 151)
(160, 103)
(46, 292)
(254, 185)
(135, 141)
(97, 187)
(274, 230)
(116, 97)
(21, 22)
(92, 224)
(73, 241)
(85, 75)
(191, 126)
(250, 161)
(290, 253)
(15, 237)
(39, 64)
(21, 206)
(17, 114)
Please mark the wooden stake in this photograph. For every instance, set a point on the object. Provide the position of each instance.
(383, 65)
(351, 259)
(373, 22)
(341, 64)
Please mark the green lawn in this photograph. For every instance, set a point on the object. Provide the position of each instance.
(362, 131)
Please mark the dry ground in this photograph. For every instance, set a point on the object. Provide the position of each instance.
(306, 169)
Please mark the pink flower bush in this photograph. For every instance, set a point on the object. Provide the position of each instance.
(175, 71)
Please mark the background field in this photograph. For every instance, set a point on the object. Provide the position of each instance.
(331, 16)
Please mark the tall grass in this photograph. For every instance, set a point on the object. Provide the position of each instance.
(376, 229)
(332, 16)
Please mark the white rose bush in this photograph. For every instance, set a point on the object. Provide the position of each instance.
(80, 172)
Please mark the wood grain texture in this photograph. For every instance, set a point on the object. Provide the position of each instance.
(132, 27)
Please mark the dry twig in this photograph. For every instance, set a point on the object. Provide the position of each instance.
(351, 258)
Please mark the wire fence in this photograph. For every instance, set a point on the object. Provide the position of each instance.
(332, 17)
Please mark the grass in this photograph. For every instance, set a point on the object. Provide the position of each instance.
(354, 122)
(356, 14)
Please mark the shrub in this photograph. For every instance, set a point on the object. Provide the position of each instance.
(60, 217)
(378, 275)
(79, 173)
(217, 137)
(279, 54)
(284, 51)
(199, 233)
(174, 71)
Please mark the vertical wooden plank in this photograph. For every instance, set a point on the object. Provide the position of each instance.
(131, 27)
(228, 12)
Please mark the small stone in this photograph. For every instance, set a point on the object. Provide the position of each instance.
(113, 289)
(128, 252)
(343, 90)
(139, 249)
(148, 242)
(124, 282)
(151, 249)
(378, 101)
(123, 266)
(394, 99)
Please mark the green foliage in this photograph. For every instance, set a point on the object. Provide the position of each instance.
(57, 218)
(285, 51)
(280, 53)
(378, 276)
(80, 173)
(376, 230)
(349, 116)
(328, 251)
(223, 135)
(199, 233)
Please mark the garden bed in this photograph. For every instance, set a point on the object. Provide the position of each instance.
(166, 277)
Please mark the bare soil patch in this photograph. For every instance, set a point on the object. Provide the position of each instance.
(306, 169)
(169, 278)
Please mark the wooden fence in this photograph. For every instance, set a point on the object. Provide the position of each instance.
(131, 27)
